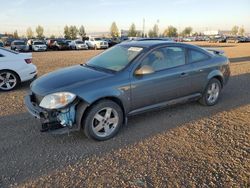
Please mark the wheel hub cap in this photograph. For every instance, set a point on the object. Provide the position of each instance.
(105, 121)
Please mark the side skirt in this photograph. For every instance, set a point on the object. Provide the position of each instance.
(185, 99)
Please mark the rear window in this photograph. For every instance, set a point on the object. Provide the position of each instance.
(19, 43)
(10, 51)
(196, 56)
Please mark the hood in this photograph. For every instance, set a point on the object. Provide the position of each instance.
(64, 79)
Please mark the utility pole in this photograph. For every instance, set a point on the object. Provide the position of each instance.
(143, 27)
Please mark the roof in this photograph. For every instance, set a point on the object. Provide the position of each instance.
(145, 43)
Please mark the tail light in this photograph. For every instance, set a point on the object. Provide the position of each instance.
(28, 61)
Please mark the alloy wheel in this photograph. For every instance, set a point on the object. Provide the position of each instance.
(8, 81)
(105, 122)
(213, 92)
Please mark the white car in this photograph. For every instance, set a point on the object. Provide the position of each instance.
(38, 46)
(15, 68)
(78, 45)
(97, 43)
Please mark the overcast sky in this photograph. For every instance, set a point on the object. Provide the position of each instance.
(97, 15)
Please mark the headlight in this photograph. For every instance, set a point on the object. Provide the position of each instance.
(57, 100)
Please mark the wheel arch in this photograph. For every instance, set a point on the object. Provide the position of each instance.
(18, 76)
(217, 75)
(83, 108)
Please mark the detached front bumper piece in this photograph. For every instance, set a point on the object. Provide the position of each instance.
(52, 120)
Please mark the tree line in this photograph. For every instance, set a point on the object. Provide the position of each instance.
(72, 32)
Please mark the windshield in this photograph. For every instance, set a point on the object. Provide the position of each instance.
(79, 42)
(115, 59)
(19, 43)
(38, 43)
(98, 39)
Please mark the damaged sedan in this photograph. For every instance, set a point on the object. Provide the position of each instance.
(127, 79)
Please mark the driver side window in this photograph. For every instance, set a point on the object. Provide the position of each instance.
(165, 58)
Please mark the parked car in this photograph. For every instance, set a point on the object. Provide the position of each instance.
(78, 45)
(217, 39)
(39, 46)
(1, 44)
(235, 39)
(19, 45)
(129, 78)
(8, 41)
(68, 41)
(60, 45)
(15, 68)
(97, 43)
(111, 42)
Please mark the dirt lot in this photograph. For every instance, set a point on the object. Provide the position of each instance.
(186, 145)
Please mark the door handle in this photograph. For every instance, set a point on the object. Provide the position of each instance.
(184, 74)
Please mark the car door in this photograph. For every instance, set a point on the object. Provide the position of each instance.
(199, 66)
(170, 79)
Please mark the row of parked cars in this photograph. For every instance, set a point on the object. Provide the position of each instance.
(229, 39)
(60, 44)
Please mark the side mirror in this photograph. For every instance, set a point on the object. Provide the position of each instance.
(145, 69)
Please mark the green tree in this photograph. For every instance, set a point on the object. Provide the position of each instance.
(187, 31)
(73, 31)
(114, 32)
(154, 32)
(170, 32)
(132, 31)
(52, 36)
(39, 31)
(241, 31)
(29, 33)
(235, 30)
(15, 34)
(82, 32)
(66, 32)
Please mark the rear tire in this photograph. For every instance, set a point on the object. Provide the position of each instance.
(103, 120)
(212, 92)
(9, 80)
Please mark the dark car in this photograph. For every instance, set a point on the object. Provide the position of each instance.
(60, 45)
(112, 42)
(236, 39)
(19, 45)
(129, 78)
(1, 44)
(217, 39)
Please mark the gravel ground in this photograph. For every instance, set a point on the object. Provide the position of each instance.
(186, 145)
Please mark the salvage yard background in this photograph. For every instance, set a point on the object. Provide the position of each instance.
(184, 145)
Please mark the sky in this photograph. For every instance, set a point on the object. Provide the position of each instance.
(97, 15)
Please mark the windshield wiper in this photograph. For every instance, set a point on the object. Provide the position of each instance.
(98, 68)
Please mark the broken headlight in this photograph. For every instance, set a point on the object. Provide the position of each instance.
(57, 100)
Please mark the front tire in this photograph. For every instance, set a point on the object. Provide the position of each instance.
(212, 92)
(103, 120)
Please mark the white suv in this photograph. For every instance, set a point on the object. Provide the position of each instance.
(39, 46)
(97, 43)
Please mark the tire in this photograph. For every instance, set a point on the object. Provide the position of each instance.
(103, 120)
(8, 80)
(212, 92)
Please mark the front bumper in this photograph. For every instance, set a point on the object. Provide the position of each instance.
(48, 119)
